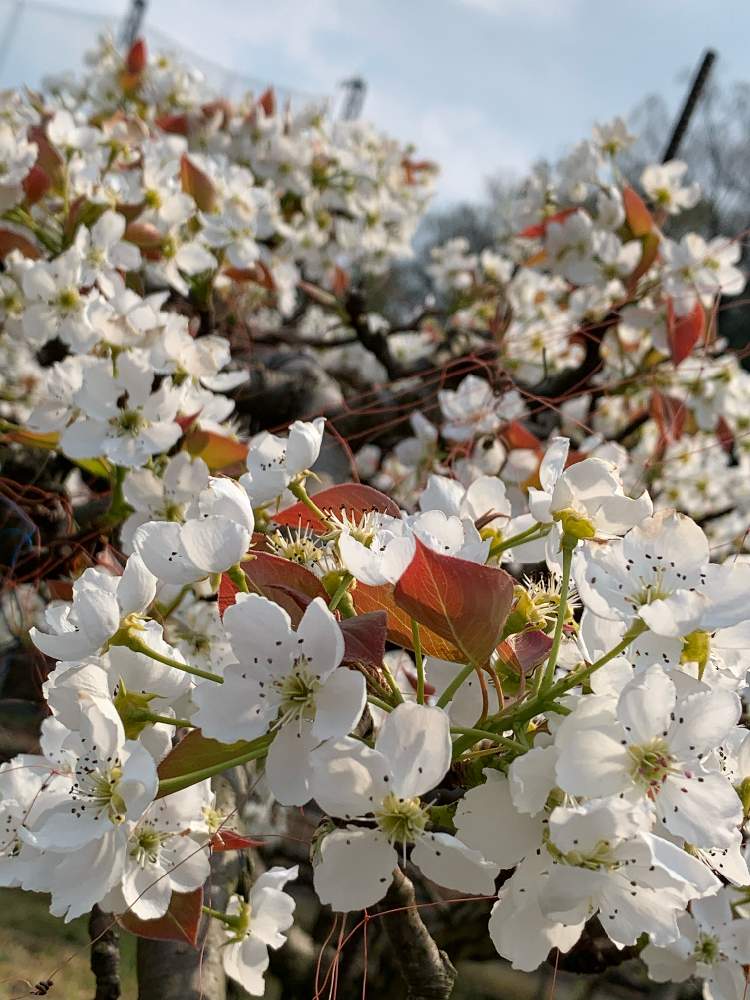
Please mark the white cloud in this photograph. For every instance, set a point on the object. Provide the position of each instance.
(536, 9)
(462, 139)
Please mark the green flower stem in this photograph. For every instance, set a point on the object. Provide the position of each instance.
(184, 723)
(546, 701)
(138, 646)
(379, 703)
(419, 660)
(217, 914)
(568, 545)
(118, 506)
(167, 609)
(169, 785)
(391, 681)
(455, 684)
(341, 590)
(298, 490)
(529, 535)
(485, 734)
(237, 575)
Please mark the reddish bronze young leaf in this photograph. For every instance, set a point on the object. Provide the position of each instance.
(462, 601)
(540, 229)
(364, 638)
(216, 450)
(369, 599)
(353, 498)
(273, 577)
(177, 124)
(267, 101)
(684, 332)
(135, 60)
(230, 840)
(144, 235)
(669, 414)
(35, 184)
(649, 250)
(198, 184)
(267, 570)
(724, 434)
(15, 238)
(524, 651)
(640, 220)
(181, 922)
(515, 435)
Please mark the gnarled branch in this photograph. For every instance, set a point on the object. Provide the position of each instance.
(427, 970)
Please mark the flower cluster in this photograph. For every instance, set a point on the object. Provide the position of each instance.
(509, 663)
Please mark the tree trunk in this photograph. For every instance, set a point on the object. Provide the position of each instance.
(171, 970)
(105, 954)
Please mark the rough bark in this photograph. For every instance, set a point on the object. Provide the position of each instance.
(105, 954)
(171, 970)
(427, 971)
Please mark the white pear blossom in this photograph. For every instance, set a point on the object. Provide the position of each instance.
(104, 252)
(273, 462)
(412, 753)
(474, 408)
(713, 946)
(127, 434)
(112, 782)
(660, 573)
(214, 536)
(287, 681)
(255, 926)
(664, 184)
(651, 745)
(101, 605)
(164, 498)
(587, 498)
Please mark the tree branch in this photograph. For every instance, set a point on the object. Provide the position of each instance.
(105, 954)
(428, 972)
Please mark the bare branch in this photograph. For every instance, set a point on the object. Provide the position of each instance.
(427, 970)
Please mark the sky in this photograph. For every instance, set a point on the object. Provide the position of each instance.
(480, 86)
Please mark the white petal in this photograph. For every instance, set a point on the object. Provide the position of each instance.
(98, 614)
(234, 710)
(553, 462)
(246, 962)
(677, 615)
(524, 936)
(487, 820)
(137, 587)
(532, 778)
(703, 720)
(288, 768)
(303, 446)
(272, 913)
(339, 704)
(415, 740)
(703, 809)
(323, 643)
(445, 860)
(260, 633)
(593, 763)
(645, 705)
(159, 545)
(354, 870)
(349, 779)
(442, 493)
(214, 543)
